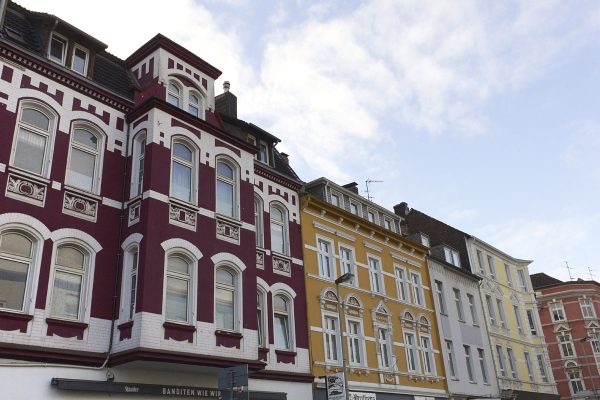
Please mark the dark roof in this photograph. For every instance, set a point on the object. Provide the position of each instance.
(30, 30)
(541, 280)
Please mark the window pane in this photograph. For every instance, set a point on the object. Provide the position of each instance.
(181, 182)
(81, 169)
(177, 299)
(16, 244)
(224, 198)
(57, 49)
(280, 304)
(173, 88)
(79, 60)
(66, 294)
(13, 278)
(194, 99)
(35, 118)
(30, 150)
(193, 110)
(277, 243)
(224, 308)
(70, 257)
(276, 214)
(225, 277)
(182, 152)
(224, 170)
(178, 264)
(282, 334)
(173, 100)
(86, 138)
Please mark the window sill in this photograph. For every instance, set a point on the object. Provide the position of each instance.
(82, 192)
(65, 328)
(285, 356)
(125, 330)
(31, 175)
(13, 320)
(229, 219)
(183, 203)
(179, 331)
(232, 334)
(263, 353)
(228, 338)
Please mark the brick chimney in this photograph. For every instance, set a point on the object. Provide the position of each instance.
(226, 102)
(401, 209)
(352, 186)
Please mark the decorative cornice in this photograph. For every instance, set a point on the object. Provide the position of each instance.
(275, 177)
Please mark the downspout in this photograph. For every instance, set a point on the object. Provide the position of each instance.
(3, 7)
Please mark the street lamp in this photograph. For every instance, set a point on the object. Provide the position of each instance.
(342, 279)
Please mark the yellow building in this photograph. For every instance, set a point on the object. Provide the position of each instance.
(390, 338)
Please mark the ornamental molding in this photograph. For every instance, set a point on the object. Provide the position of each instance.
(25, 189)
(282, 266)
(181, 216)
(228, 231)
(80, 206)
(260, 259)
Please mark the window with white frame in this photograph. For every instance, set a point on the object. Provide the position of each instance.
(71, 266)
(451, 256)
(439, 291)
(332, 339)
(85, 159)
(279, 229)
(17, 251)
(183, 171)
(354, 208)
(336, 200)
(130, 280)
(472, 309)
(587, 308)
(480, 261)
(32, 147)
(388, 224)
(401, 283)
(355, 342)
(518, 318)
(490, 307)
(194, 104)
(575, 380)
(529, 366)
(469, 363)
(139, 155)
(522, 280)
(450, 359)
(459, 305)
(57, 50)
(501, 361)
(491, 266)
(226, 298)
(427, 356)
(185, 98)
(542, 368)
(258, 221)
(531, 323)
(483, 365)
(595, 342)
(261, 313)
(371, 216)
(508, 273)
(566, 345)
(501, 315)
(80, 60)
(375, 275)
(347, 264)
(383, 344)
(283, 322)
(410, 347)
(174, 93)
(417, 289)
(263, 152)
(557, 311)
(178, 289)
(325, 258)
(227, 188)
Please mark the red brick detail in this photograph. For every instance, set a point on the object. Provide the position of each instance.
(7, 74)
(219, 143)
(26, 84)
(105, 117)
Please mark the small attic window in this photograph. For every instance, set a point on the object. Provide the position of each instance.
(263, 154)
(79, 63)
(57, 50)
(451, 256)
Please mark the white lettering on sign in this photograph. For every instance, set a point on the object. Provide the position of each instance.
(132, 389)
(362, 396)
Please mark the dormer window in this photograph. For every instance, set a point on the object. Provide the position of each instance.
(58, 49)
(194, 105)
(174, 95)
(79, 63)
(263, 154)
(451, 256)
(185, 97)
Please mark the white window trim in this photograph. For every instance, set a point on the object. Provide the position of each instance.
(126, 281)
(194, 165)
(235, 183)
(361, 340)
(327, 314)
(415, 348)
(259, 228)
(193, 289)
(339, 196)
(291, 319)
(450, 358)
(570, 342)
(353, 264)
(483, 365)
(402, 282)
(512, 362)
(135, 189)
(559, 306)
(380, 276)
(471, 303)
(238, 296)
(286, 226)
(265, 315)
(458, 303)
(502, 366)
(501, 313)
(431, 354)
(591, 306)
(66, 49)
(389, 342)
(469, 363)
(87, 59)
(418, 288)
(101, 137)
(489, 303)
(184, 96)
(331, 256)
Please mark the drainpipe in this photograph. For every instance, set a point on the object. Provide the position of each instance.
(3, 6)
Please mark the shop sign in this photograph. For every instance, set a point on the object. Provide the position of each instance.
(335, 386)
(362, 396)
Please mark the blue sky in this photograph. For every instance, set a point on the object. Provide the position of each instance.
(482, 114)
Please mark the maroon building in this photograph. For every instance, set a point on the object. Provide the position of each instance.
(147, 235)
(569, 314)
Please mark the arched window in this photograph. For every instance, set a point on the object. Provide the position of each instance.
(70, 270)
(174, 93)
(84, 167)
(137, 173)
(16, 255)
(261, 307)
(33, 139)
(194, 104)
(258, 221)
(226, 299)
(282, 322)
(226, 189)
(279, 229)
(178, 288)
(182, 171)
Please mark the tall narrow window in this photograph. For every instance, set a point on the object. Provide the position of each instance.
(226, 189)
(182, 172)
(332, 340)
(492, 266)
(226, 299)
(70, 268)
(451, 363)
(469, 363)
(134, 259)
(281, 317)
(508, 273)
(347, 263)
(480, 261)
(587, 308)
(354, 208)
(518, 318)
(194, 105)
(31, 150)
(177, 296)
(139, 154)
(512, 363)
(501, 361)
(490, 307)
(522, 280)
(410, 347)
(16, 254)
(439, 291)
(355, 342)
(566, 345)
(383, 338)
(260, 316)
(258, 221)
(529, 367)
(263, 152)
(375, 275)
(427, 352)
(558, 314)
(174, 94)
(575, 380)
(531, 323)
(401, 284)
(84, 160)
(278, 229)
(57, 50)
(79, 62)
(325, 259)
(501, 315)
(459, 306)
(417, 289)
(542, 367)
(473, 309)
(451, 256)
(371, 216)
(483, 365)
(335, 199)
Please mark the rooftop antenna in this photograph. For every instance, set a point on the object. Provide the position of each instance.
(591, 274)
(367, 182)
(569, 269)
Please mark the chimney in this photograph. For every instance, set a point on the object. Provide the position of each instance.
(352, 186)
(402, 209)
(285, 157)
(226, 102)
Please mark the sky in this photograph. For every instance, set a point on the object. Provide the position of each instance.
(483, 114)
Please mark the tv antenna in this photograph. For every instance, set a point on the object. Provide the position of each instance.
(569, 270)
(591, 274)
(367, 182)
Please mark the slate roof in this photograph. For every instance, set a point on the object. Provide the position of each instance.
(541, 280)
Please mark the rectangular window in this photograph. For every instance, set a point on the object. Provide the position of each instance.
(566, 345)
(522, 280)
(472, 309)
(79, 62)
(501, 315)
(451, 256)
(459, 305)
(263, 153)
(427, 356)
(383, 338)
(483, 365)
(480, 261)
(371, 216)
(410, 347)
(512, 363)
(542, 367)
(347, 263)
(508, 275)
(529, 367)
(375, 275)
(133, 287)
(491, 266)
(439, 291)
(58, 49)
(335, 199)
(354, 208)
(325, 258)
(531, 322)
(490, 307)
(332, 339)
(587, 308)
(501, 361)
(518, 318)
(595, 345)
(401, 284)
(450, 354)
(417, 289)
(355, 342)
(558, 314)
(387, 223)
(576, 382)
(469, 363)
